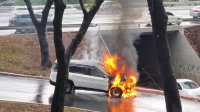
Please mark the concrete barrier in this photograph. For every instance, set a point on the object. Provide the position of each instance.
(184, 58)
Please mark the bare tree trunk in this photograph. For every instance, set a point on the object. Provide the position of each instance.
(41, 29)
(62, 75)
(44, 48)
(159, 24)
(63, 58)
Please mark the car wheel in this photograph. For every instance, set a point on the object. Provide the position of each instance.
(23, 30)
(69, 88)
(194, 17)
(17, 32)
(169, 23)
(116, 92)
(148, 25)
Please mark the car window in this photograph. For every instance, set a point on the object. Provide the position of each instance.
(179, 86)
(15, 16)
(96, 72)
(25, 16)
(79, 69)
(189, 85)
(169, 13)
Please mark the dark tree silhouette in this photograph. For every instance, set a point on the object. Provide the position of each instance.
(159, 24)
(63, 57)
(41, 29)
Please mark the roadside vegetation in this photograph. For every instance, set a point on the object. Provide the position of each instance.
(21, 53)
(8, 106)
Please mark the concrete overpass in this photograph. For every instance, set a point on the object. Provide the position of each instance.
(185, 60)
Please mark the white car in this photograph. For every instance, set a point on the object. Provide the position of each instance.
(172, 18)
(188, 87)
(87, 75)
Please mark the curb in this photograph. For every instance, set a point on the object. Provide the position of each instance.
(50, 105)
(22, 75)
(140, 89)
(159, 92)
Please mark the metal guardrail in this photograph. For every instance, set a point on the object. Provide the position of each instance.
(125, 24)
(48, 27)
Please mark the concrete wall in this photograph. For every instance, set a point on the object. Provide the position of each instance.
(185, 60)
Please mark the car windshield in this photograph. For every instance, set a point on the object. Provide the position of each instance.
(189, 85)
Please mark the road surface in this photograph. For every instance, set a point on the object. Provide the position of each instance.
(40, 91)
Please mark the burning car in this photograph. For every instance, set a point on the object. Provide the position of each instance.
(123, 79)
(105, 76)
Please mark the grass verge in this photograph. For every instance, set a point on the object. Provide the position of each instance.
(8, 106)
(21, 53)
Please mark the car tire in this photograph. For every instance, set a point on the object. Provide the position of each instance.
(17, 32)
(170, 24)
(23, 30)
(116, 92)
(148, 25)
(194, 17)
(69, 88)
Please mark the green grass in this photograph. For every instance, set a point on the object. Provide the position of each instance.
(8, 106)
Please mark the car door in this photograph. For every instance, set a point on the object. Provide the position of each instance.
(98, 79)
(26, 20)
(181, 90)
(79, 75)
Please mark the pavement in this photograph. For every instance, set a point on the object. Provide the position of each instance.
(22, 88)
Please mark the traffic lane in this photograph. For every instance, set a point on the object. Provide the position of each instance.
(144, 102)
(109, 16)
(72, 29)
(25, 89)
(40, 91)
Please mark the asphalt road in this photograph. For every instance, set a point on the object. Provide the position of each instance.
(75, 16)
(40, 91)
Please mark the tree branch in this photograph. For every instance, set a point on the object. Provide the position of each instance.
(45, 12)
(30, 10)
(83, 8)
(83, 29)
(96, 7)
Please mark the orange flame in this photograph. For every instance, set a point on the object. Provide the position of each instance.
(117, 71)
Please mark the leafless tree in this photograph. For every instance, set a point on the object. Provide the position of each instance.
(63, 56)
(159, 25)
(41, 29)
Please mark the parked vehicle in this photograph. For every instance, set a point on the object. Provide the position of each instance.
(172, 18)
(87, 75)
(110, 7)
(195, 12)
(7, 3)
(23, 19)
(188, 87)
